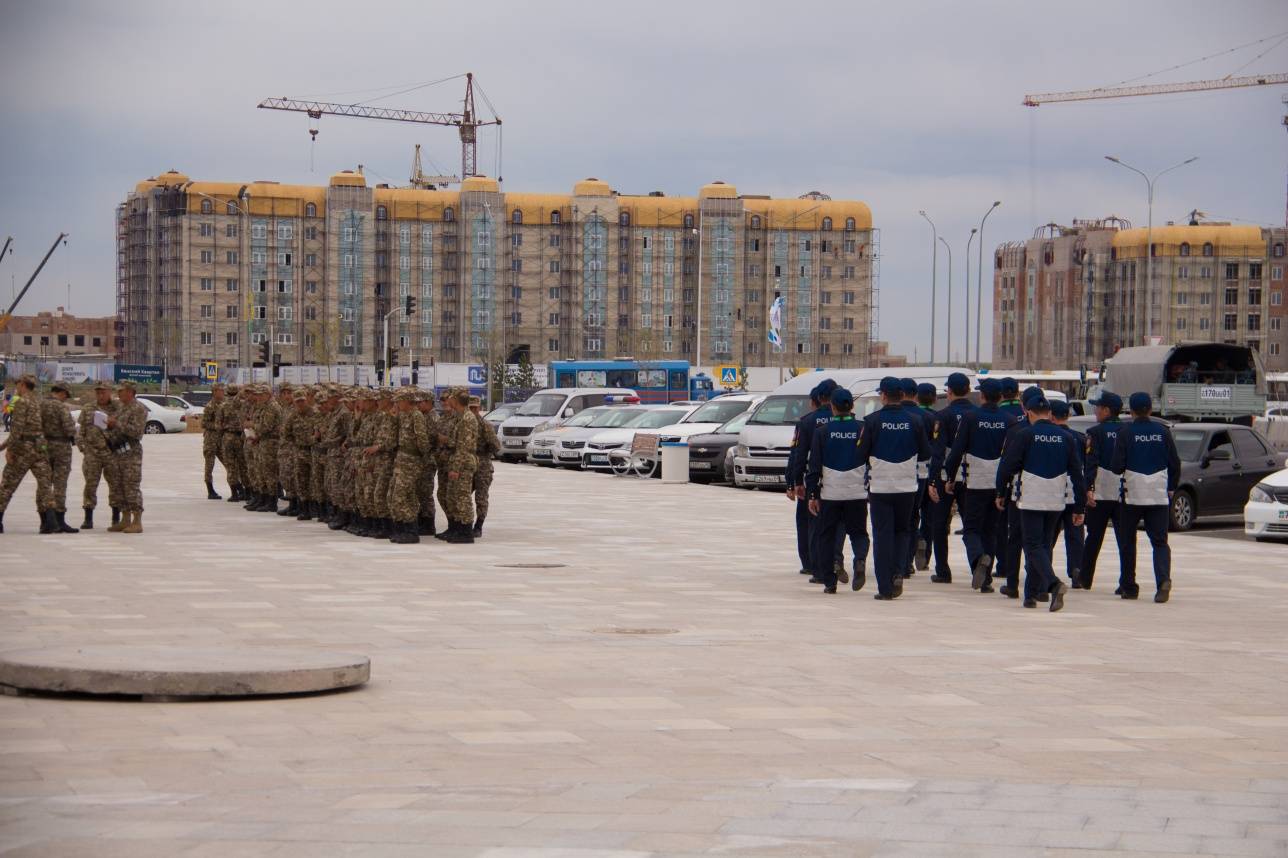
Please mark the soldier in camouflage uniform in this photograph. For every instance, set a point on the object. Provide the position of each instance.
(25, 451)
(96, 458)
(265, 423)
(287, 452)
(489, 446)
(462, 460)
(364, 426)
(232, 443)
(303, 434)
(446, 425)
(379, 459)
(60, 432)
(425, 486)
(327, 400)
(125, 437)
(413, 450)
(339, 477)
(212, 437)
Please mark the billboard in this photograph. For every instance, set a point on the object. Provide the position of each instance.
(139, 373)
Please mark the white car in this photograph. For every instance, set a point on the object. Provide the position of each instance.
(1265, 516)
(170, 401)
(160, 418)
(708, 417)
(565, 444)
(595, 457)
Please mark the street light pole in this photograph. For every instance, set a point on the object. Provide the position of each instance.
(697, 363)
(948, 352)
(1149, 235)
(979, 280)
(966, 321)
(934, 264)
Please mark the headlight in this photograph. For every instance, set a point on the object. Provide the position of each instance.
(544, 427)
(740, 450)
(1260, 495)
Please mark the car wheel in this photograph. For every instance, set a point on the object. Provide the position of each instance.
(152, 427)
(1181, 513)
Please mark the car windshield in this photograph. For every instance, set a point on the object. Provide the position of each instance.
(501, 412)
(657, 419)
(780, 411)
(718, 411)
(541, 405)
(585, 418)
(198, 397)
(611, 418)
(1189, 444)
(734, 426)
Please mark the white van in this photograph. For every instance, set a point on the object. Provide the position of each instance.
(548, 408)
(760, 457)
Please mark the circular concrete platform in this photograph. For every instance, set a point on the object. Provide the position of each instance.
(181, 672)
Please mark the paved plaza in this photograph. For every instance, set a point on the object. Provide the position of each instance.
(623, 668)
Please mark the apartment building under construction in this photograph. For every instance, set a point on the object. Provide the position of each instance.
(210, 270)
(1075, 294)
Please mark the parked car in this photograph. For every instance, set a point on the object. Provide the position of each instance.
(546, 409)
(1265, 516)
(596, 458)
(1220, 463)
(498, 415)
(161, 419)
(171, 401)
(711, 453)
(564, 445)
(198, 398)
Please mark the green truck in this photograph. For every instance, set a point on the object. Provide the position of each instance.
(1191, 381)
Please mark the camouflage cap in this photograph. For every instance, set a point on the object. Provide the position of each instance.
(218, 385)
(301, 395)
(59, 387)
(102, 385)
(367, 393)
(28, 379)
(127, 384)
(474, 400)
(232, 389)
(404, 394)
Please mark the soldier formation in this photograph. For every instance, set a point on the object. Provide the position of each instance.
(40, 441)
(359, 460)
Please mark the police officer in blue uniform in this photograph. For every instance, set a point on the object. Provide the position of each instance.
(1074, 535)
(836, 485)
(1145, 456)
(1042, 457)
(894, 448)
(1010, 541)
(909, 388)
(943, 434)
(821, 413)
(1104, 487)
(927, 396)
(975, 455)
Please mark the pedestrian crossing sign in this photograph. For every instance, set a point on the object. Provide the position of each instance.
(729, 375)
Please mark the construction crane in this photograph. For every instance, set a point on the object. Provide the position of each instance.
(8, 314)
(1038, 99)
(420, 180)
(467, 121)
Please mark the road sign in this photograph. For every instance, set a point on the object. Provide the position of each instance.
(478, 374)
(728, 375)
(212, 371)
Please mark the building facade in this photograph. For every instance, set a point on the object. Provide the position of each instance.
(208, 271)
(1075, 294)
(59, 334)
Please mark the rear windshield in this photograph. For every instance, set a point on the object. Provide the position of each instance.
(718, 411)
(658, 418)
(541, 405)
(780, 411)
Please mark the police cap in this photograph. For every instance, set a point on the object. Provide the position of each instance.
(1059, 408)
(908, 386)
(1139, 401)
(1109, 400)
(842, 397)
(1010, 387)
(990, 387)
(1037, 403)
(825, 388)
(1030, 393)
(958, 383)
(891, 386)
(926, 389)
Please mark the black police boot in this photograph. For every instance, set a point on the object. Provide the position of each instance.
(942, 578)
(211, 494)
(49, 521)
(838, 569)
(478, 526)
(921, 556)
(88, 523)
(860, 576)
(1164, 592)
(116, 515)
(1058, 589)
(463, 536)
(63, 526)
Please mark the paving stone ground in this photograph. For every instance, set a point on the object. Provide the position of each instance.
(507, 716)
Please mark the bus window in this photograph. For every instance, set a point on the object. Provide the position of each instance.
(679, 380)
(620, 378)
(590, 378)
(566, 379)
(653, 379)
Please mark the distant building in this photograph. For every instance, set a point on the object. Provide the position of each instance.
(212, 270)
(58, 334)
(1075, 294)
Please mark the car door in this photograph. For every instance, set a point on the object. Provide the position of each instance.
(1252, 460)
(1219, 482)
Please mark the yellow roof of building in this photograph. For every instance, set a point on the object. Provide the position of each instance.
(348, 178)
(717, 189)
(536, 208)
(480, 183)
(809, 214)
(659, 211)
(216, 192)
(416, 203)
(592, 187)
(272, 198)
(1227, 240)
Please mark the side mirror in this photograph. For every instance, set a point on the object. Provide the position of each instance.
(1221, 454)
(568, 412)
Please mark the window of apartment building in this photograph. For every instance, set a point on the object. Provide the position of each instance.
(285, 231)
(848, 273)
(259, 312)
(1182, 298)
(79, 340)
(347, 260)
(847, 297)
(207, 284)
(826, 272)
(624, 294)
(1185, 248)
(1204, 323)
(805, 245)
(554, 293)
(1254, 294)
(1255, 345)
(207, 257)
(1254, 321)
(1183, 273)
(231, 257)
(230, 338)
(258, 257)
(283, 286)
(849, 245)
(1275, 323)
(310, 313)
(802, 348)
(1254, 270)
(1204, 299)
(230, 230)
(62, 339)
(206, 229)
(207, 338)
(1274, 349)
(348, 341)
(552, 345)
(206, 207)
(824, 324)
(1180, 324)
(847, 323)
(1205, 272)
(382, 213)
(1207, 249)
(1231, 322)
(1276, 298)
(825, 297)
(1232, 271)
(624, 321)
(258, 230)
(230, 311)
(1278, 250)
(623, 267)
(1231, 295)
(804, 270)
(310, 259)
(257, 337)
(285, 339)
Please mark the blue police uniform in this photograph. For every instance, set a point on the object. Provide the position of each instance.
(1146, 458)
(975, 456)
(943, 433)
(1074, 535)
(1106, 486)
(797, 461)
(894, 447)
(909, 389)
(1042, 458)
(1009, 539)
(838, 481)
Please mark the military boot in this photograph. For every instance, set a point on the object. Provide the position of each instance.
(451, 527)
(404, 533)
(305, 512)
(292, 508)
(339, 521)
(136, 523)
(116, 516)
(478, 528)
(49, 521)
(426, 526)
(253, 501)
(211, 494)
(270, 503)
(63, 526)
(88, 523)
(237, 494)
(464, 535)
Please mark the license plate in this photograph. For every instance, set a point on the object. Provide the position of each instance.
(766, 478)
(700, 466)
(540, 454)
(598, 460)
(513, 442)
(1283, 515)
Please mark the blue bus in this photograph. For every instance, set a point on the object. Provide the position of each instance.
(656, 382)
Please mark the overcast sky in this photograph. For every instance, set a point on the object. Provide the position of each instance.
(906, 106)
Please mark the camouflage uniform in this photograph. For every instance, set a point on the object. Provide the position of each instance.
(126, 439)
(303, 431)
(489, 445)
(59, 431)
(212, 436)
(26, 452)
(385, 437)
(364, 428)
(233, 438)
(339, 479)
(96, 459)
(463, 461)
(425, 485)
(266, 423)
(446, 426)
(410, 459)
(288, 452)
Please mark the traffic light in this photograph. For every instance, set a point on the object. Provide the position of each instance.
(393, 356)
(266, 352)
(409, 305)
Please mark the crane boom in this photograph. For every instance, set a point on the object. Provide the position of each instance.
(1037, 99)
(8, 314)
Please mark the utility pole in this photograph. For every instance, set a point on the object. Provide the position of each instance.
(948, 354)
(934, 264)
(979, 280)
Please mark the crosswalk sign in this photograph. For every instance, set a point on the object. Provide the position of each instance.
(729, 375)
